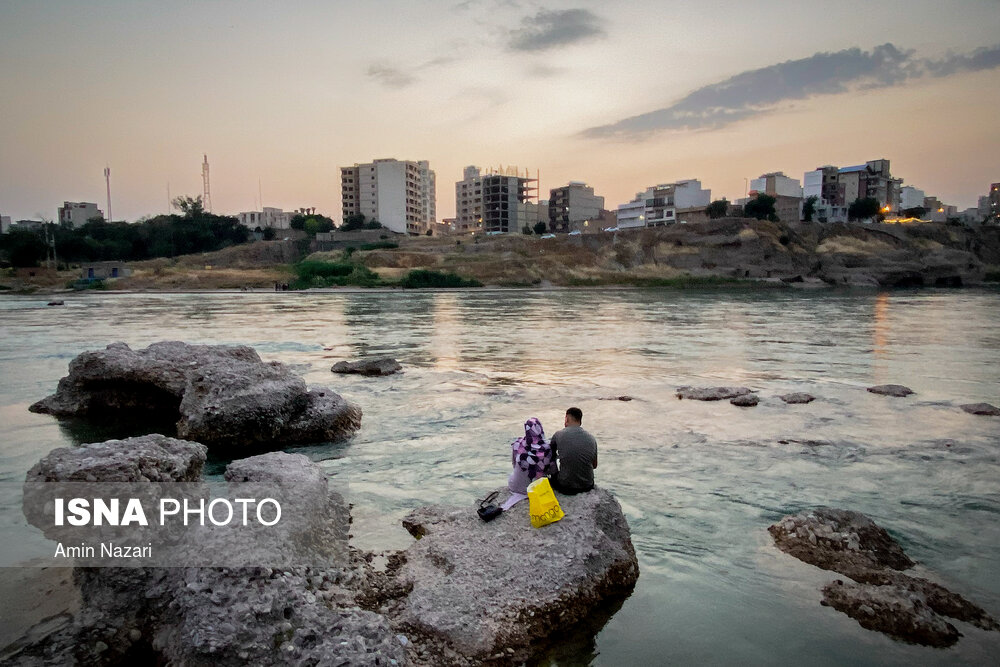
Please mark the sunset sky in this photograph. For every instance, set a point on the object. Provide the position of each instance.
(621, 95)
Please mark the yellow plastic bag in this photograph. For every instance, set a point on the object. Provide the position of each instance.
(542, 504)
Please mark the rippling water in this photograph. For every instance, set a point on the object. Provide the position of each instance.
(699, 482)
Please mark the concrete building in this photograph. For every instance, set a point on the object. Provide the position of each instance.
(910, 197)
(499, 201)
(5, 224)
(837, 188)
(104, 270)
(572, 205)
(660, 204)
(270, 217)
(993, 217)
(787, 193)
(78, 214)
(398, 193)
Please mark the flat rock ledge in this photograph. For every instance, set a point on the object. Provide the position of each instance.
(896, 390)
(711, 393)
(477, 592)
(745, 401)
(220, 396)
(375, 367)
(797, 398)
(880, 597)
(985, 409)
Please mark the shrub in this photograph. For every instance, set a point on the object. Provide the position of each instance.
(424, 278)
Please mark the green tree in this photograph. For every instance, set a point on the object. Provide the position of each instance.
(540, 227)
(809, 208)
(864, 209)
(269, 234)
(352, 222)
(718, 208)
(190, 207)
(761, 207)
(915, 212)
(23, 248)
(526, 230)
(311, 226)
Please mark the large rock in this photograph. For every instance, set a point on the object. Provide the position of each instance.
(219, 395)
(884, 598)
(472, 590)
(711, 393)
(381, 366)
(745, 401)
(982, 409)
(797, 398)
(897, 390)
(147, 458)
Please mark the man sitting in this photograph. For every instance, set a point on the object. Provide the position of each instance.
(576, 451)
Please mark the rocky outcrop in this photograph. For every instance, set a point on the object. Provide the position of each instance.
(471, 590)
(711, 393)
(221, 396)
(881, 597)
(897, 390)
(797, 398)
(147, 458)
(382, 366)
(982, 409)
(745, 401)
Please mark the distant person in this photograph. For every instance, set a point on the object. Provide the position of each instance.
(576, 452)
(531, 457)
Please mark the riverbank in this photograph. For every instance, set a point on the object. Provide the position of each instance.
(725, 252)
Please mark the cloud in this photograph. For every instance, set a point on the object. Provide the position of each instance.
(761, 91)
(551, 28)
(389, 76)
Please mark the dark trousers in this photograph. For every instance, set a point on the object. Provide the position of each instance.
(566, 490)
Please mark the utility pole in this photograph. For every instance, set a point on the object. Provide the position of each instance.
(207, 196)
(107, 179)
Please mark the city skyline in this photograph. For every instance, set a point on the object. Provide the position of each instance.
(281, 96)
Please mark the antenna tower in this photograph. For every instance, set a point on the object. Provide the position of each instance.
(206, 200)
(107, 179)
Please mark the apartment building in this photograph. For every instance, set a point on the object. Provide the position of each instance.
(662, 204)
(499, 201)
(400, 194)
(573, 205)
(469, 201)
(787, 193)
(993, 216)
(5, 224)
(77, 214)
(270, 217)
(836, 188)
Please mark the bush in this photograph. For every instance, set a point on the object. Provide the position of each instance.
(313, 273)
(380, 245)
(424, 278)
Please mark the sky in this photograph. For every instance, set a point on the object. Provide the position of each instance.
(625, 95)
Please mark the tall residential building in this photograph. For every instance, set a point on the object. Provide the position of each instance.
(4, 224)
(572, 204)
(78, 214)
(994, 212)
(660, 204)
(786, 191)
(910, 197)
(398, 193)
(498, 201)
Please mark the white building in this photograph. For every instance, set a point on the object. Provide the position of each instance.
(4, 224)
(777, 185)
(78, 214)
(910, 197)
(659, 204)
(400, 194)
(270, 217)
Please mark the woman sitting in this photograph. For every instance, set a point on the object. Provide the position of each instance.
(531, 458)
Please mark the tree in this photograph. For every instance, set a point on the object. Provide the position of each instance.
(864, 209)
(915, 212)
(540, 227)
(809, 207)
(23, 248)
(269, 234)
(526, 230)
(191, 208)
(718, 208)
(352, 222)
(761, 207)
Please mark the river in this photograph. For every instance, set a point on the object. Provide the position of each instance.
(699, 482)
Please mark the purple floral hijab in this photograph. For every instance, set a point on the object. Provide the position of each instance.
(533, 453)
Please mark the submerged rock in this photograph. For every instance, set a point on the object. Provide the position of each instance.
(617, 398)
(883, 598)
(485, 588)
(797, 398)
(221, 396)
(382, 366)
(711, 393)
(982, 409)
(745, 401)
(897, 390)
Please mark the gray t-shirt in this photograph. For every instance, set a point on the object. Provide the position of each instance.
(576, 450)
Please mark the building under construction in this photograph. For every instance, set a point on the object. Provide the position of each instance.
(497, 201)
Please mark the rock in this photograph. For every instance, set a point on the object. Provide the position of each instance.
(617, 398)
(745, 401)
(381, 366)
(219, 395)
(711, 393)
(479, 588)
(56, 303)
(896, 390)
(982, 409)
(797, 398)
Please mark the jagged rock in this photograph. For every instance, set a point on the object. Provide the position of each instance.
(483, 588)
(382, 366)
(982, 409)
(893, 610)
(797, 398)
(147, 458)
(897, 390)
(221, 396)
(745, 401)
(884, 598)
(711, 393)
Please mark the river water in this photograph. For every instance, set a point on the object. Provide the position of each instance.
(699, 482)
